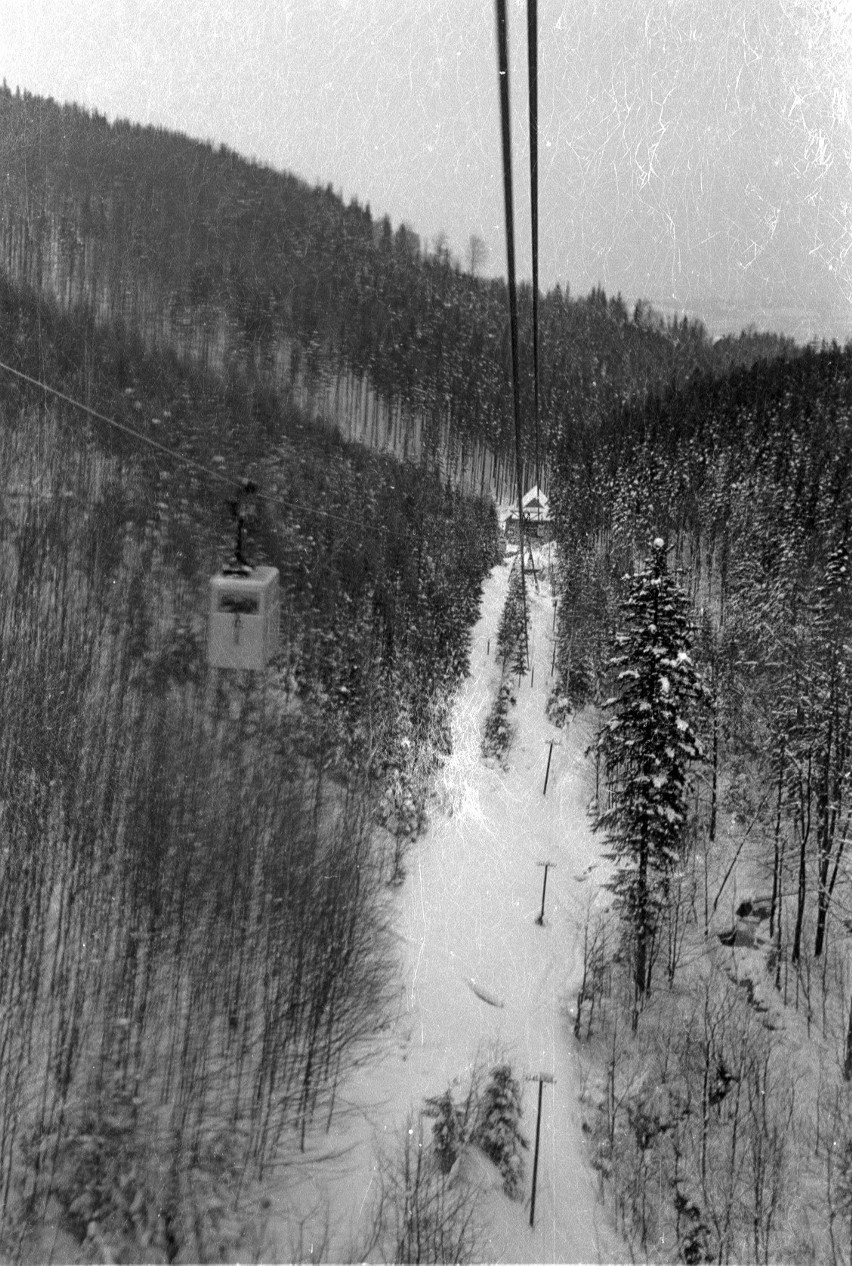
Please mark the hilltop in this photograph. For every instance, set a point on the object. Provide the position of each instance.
(255, 274)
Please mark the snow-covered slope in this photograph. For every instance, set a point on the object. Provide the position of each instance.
(481, 977)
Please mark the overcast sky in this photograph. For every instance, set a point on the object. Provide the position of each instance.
(694, 152)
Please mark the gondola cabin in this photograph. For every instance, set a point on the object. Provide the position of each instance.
(244, 614)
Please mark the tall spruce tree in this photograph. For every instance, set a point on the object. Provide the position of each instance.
(647, 746)
(829, 701)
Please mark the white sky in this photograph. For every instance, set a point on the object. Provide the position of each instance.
(695, 152)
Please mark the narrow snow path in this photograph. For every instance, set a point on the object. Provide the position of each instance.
(470, 913)
(482, 978)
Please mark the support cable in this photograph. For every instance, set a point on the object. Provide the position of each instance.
(503, 76)
(532, 61)
(172, 453)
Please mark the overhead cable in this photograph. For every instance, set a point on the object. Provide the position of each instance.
(503, 77)
(172, 453)
(532, 61)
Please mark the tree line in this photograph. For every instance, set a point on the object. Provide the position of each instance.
(255, 273)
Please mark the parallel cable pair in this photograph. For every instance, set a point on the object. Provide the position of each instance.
(505, 121)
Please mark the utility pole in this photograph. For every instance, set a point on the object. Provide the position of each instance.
(547, 866)
(553, 743)
(541, 1078)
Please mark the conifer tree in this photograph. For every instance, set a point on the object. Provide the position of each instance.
(512, 632)
(448, 1130)
(647, 746)
(499, 1131)
(830, 702)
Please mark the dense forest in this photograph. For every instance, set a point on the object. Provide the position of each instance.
(196, 868)
(256, 274)
(704, 549)
(194, 931)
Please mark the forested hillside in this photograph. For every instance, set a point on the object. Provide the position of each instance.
(198, 871)
(704, 550)
(195, 868)
(256, 274)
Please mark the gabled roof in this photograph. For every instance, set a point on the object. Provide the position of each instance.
(536, 498)
(536, 504)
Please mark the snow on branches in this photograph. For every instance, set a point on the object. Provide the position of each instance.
(647, 746)
(489, 1119)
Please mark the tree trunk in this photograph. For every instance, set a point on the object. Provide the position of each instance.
(822, 904)
(640, 975)
(805, 799)
(847, 1062)
(825, 834)
(800, 908)
(778, 857)
(714, 773)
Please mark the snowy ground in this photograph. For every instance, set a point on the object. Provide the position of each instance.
(481, 978)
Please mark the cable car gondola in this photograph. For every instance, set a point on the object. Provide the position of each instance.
(244, 604)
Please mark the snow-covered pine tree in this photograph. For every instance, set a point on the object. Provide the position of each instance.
(512, 631)
(829, 700)
(647, 747)
(498, 1129)
(448, 1130)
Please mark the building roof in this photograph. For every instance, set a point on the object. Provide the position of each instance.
(535, 504)
(535, 499)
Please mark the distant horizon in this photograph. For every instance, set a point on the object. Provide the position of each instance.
(800, 324)
(693, 156)
(720, 317)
